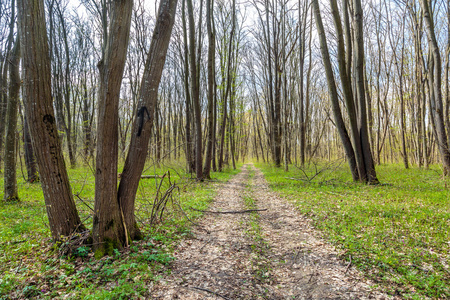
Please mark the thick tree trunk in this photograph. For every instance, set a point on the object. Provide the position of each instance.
(137, 153)
(61, 210)
(108, 227)
(10, 178)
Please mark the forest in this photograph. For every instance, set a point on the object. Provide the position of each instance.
(255, 149)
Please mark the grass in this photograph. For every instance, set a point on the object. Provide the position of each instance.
(32, 266)
(260, 265)
(397, 232)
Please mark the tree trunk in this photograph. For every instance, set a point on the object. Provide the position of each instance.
(62, 214)
(189, 154)
(370, 176)
(10, 178)
(227, 90)
(108, 227)
(137, 153)
(211, 90)
(195, 92)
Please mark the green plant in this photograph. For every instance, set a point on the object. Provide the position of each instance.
(397, 232)
(81, 251)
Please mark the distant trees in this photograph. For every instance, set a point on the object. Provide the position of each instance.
(239, 87)
(435, 87)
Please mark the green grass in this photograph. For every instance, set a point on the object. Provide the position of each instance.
(31, 265)
(397, 232)
(260, 265)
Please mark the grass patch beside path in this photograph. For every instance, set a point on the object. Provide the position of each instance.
(260, 265)
(31, 267)
(397, 232)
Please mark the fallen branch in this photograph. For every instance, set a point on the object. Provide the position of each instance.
(348, 266)
(144, 176)
(150, 176)
(209, 291)
(228, 212)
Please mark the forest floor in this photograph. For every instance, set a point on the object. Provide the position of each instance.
(271, 251)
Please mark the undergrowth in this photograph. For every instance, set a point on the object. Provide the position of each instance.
(33, 267)
(397, 232)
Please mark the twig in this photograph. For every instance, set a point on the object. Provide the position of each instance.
(348, 266)
(209, 291)
(312, 275)
(79, 198)
(228, 212)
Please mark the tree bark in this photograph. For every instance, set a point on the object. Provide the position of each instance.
(30, 158)
(62, 214)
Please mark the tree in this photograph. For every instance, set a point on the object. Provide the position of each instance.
(359, 153)
(108, 227)
(227, 87)
(211, 85)
(195, 90)
(134, 163)
(10, 179)
(62, 214)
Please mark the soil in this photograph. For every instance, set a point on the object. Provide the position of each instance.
(268, 254)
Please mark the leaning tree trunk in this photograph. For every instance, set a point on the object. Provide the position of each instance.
(10, 178)
(108, 228)
(340, 125)
(62, 213)
(134, 163)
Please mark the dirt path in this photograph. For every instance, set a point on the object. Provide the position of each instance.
(272, 254)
